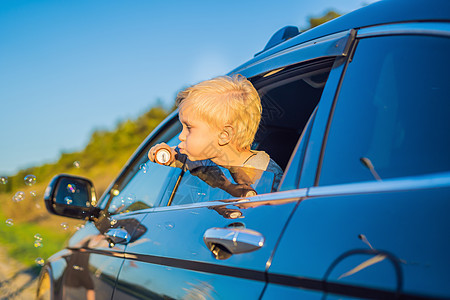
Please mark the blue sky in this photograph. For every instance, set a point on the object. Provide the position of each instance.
(68, 68)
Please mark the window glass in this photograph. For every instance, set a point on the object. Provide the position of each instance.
(292, 177)
(391, 116)
(212, 182)
(147, 185)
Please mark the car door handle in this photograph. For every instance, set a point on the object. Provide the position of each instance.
(233, 240)
(117, 236)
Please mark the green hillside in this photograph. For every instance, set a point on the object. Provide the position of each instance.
(101, 160)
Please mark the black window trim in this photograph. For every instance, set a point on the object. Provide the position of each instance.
(330, 116)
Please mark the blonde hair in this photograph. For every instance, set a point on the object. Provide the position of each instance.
(224, 101)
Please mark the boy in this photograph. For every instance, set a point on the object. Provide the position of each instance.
(220, 118)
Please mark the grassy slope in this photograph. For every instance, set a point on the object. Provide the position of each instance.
(100, 161)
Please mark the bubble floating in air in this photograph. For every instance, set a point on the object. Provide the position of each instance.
(30, 180)
(37, 236)
(169, 225)
(113, 221)
(143, 167)
(131, 198)
(71, 188)
(3, 180)
(9, 222)
(76, 164)
(19, 196)
(68, 200)
(64, 225)
(33, 193)
(37, 244)
(39, 261)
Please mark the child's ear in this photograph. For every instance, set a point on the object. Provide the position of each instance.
(226, 135)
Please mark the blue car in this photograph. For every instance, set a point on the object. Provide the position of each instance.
(356, 113)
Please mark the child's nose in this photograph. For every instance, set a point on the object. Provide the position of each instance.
(182, 136)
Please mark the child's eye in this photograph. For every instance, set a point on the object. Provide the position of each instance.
(187, 128)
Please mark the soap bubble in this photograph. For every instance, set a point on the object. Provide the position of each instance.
(143, 167)
(113, 221)
(79, 226)
(3, 179)
(76, 164)
(130, 199)
(64, 225)
(37, 244)
(71, 188)
(169, 225)
(78, 268)
(39, 261)
(9, 222)
(37, 236)
(33, 193)
(68, 200)
(30, 180)
(19, 196)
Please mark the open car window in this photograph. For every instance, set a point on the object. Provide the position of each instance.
(288, 98)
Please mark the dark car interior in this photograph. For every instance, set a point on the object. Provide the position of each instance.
(288, 98)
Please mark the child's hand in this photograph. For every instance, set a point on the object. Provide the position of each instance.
(162, 154)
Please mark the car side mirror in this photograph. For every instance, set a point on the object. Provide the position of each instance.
(71, 196)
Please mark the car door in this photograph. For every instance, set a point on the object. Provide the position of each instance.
(184, 253)
(373, 222)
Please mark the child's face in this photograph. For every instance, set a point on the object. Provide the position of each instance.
(198, 140)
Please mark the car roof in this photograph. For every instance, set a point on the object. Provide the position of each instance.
(381, 12)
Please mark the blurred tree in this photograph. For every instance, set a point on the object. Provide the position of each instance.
(105, 153)
(316, 21)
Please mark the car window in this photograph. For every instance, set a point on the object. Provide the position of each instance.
(214, 182)
(294, 169)
(288, 99)
(146, 183)
(391, 116)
